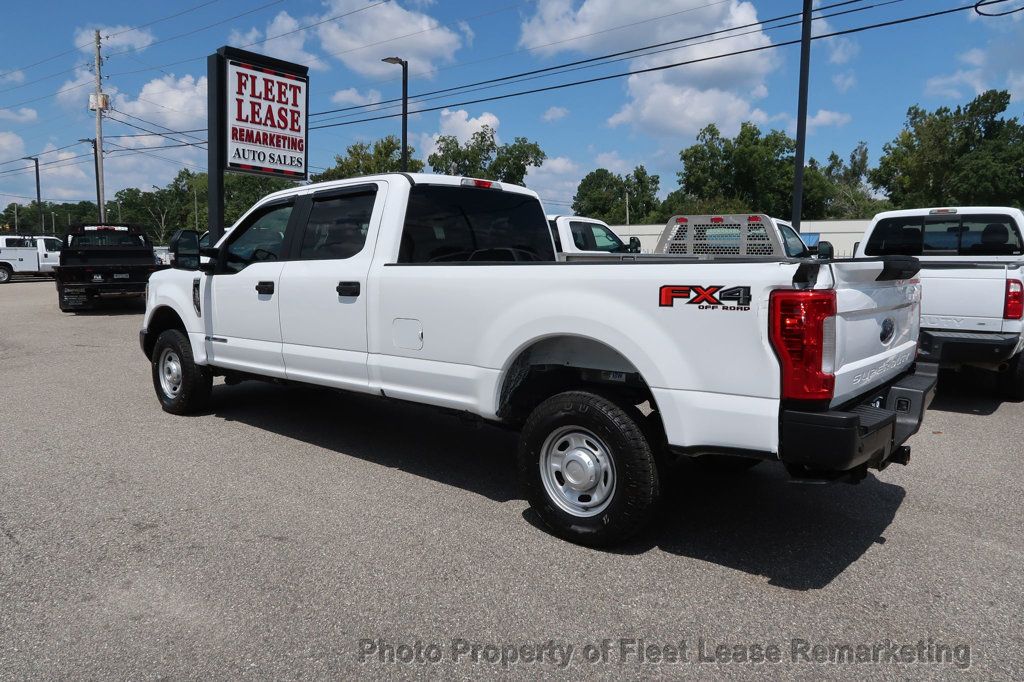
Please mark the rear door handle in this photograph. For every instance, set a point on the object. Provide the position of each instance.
(265, 288)
(347, 288)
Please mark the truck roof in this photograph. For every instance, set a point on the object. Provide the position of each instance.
(949, 210)
(413, 178)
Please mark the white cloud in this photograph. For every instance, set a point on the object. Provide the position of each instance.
(613, 162)
(362, 39)
(74, 93)
(556, 182)
(467, 31)
(11, 145)
(842, 50)
(555, 113)
(290, 47)
(956, 85)
(675, 101)
(1015, 84)
(12, 77)
(825, 118)
(844, 81)
(114, 38)
(177, 103)
(459, 124)
(22, 115)
(353, 96)
(973, 57)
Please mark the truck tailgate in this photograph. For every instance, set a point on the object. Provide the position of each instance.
(967, 298)
(877, 325)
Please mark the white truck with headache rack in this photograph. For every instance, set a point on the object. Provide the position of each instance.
(446, 291)
(972, 277)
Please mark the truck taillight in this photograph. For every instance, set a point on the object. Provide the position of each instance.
(1013, 305)
(803, 333)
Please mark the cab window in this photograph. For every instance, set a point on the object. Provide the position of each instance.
(594, 237)
(795, 247)
(337, 226)
(946, 235)
(259, 239)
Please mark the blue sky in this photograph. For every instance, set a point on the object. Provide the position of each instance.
(861, 85)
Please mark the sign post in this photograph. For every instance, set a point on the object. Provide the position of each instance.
(258, 110)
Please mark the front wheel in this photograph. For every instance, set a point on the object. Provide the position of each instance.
(588, 469)
(5, 274)
(182, 386)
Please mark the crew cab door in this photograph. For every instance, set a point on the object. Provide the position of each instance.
(49, 253)
(244, 331)
(323, 287)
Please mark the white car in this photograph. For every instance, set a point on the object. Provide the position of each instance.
(972, 273)
(28, 255)
(446, 291)
(579, 235)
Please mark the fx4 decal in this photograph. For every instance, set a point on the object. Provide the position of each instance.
(705, 297)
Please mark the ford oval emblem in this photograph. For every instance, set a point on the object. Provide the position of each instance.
(888, 330)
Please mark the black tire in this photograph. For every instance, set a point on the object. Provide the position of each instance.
(5, 274)
(725, 464)
(1011, 382)
(635, 474)
(194, 382)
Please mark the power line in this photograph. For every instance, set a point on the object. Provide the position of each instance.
(257, 42)
(127, 30)
(632, 51)
(151, 123)
(652, 69)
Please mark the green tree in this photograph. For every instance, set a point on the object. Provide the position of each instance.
(601, 195)
(482, 157)
(968, 155)
(361, 158)
(642, 189)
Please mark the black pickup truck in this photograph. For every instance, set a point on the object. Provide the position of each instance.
(101, 262)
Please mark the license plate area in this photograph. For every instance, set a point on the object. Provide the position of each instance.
(121, 275)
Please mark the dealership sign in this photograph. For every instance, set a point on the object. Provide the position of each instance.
(266, 120)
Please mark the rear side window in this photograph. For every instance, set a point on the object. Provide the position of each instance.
(969, 235)
(445, 224)
(108, 239)
(337, 226)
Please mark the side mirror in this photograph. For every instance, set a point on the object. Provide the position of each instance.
(184, 250)
(856, 248)
(825, 251)
(634, 244)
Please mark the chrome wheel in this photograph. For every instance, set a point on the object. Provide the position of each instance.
(170, 373)
(577, 470)
(5, 275)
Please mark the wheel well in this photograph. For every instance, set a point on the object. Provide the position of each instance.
(565, 363)
(163, 318)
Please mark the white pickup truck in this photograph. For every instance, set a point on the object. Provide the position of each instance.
(28, 255)
(579, 235)
(446, 291)
(972, 275)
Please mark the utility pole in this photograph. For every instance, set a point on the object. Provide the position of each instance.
(627, 207)
(405, 108)
(39, 200)
(100, 106)
(53, 223)
(801, 116)
(195, 203)
(16, 228)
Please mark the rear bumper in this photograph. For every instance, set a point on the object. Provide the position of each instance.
(957, 347)
(870, 433)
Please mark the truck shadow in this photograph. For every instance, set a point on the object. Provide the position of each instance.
(799, 536)
(969, 391)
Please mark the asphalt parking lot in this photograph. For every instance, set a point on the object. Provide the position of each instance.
(291, 530)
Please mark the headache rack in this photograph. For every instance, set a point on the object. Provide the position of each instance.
(706, 237)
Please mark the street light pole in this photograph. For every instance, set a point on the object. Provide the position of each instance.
(39, 199)
(405, 108)
(801, 116)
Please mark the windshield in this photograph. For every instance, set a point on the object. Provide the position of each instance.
(445, 224)
(795, 247)
(945, 235)
(108, 239)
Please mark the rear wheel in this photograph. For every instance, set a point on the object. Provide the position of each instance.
(182, 386)
(5, 274)
(588, 468)
(1011, 382)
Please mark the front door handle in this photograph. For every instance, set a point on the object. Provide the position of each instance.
(347, 288)
(265, 288)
